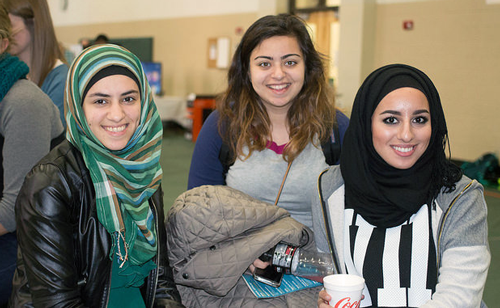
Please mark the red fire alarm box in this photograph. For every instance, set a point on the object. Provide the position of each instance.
(408, 25)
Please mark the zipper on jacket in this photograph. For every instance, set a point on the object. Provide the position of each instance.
(155, 281)
(327, 226)
(109, 282)
(445, 216)
(81, 282)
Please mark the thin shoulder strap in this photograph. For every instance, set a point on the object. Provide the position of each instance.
(282, 183)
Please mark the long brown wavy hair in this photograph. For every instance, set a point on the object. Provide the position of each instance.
(5, 26)
(45, 49)
(243, 117)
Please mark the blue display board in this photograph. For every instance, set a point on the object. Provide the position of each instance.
(153, 73)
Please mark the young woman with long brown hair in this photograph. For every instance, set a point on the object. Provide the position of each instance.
(276, 112)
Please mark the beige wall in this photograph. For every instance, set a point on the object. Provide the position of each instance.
(356, 48)
(180, 44)
(457, 43)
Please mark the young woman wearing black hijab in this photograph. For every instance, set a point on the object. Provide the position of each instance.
(397, 212)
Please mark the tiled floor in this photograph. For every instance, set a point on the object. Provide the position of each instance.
(176, 157)
(175, 161)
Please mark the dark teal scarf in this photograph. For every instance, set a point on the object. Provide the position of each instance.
(11, 70)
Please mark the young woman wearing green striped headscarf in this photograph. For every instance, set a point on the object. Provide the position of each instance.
(90, 214)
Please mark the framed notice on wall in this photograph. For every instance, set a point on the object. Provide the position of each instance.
(218, 52)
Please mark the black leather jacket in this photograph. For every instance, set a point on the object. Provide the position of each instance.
(63, 257)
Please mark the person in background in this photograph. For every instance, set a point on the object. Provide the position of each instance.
(85, 42)
(95, 203)
(29, 122)
(399, 213)
(274, 116)
(36, 44)
(101, 39)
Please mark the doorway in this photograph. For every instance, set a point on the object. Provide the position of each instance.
(325, 33)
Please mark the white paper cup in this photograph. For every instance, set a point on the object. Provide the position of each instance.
(345, 290)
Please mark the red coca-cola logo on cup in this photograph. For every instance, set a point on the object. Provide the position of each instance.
(346, 303)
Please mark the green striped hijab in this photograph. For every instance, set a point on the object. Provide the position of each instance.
(125, 179)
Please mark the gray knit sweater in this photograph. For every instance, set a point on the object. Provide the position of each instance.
(29, 120)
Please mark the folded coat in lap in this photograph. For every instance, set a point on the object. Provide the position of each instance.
(215, 233)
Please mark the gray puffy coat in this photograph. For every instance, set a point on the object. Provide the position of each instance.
(215, 233)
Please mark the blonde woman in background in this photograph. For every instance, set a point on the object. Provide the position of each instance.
(28, 123)
(35, 43)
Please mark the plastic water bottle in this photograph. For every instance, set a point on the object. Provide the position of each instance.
(312, 264)
(305, 263)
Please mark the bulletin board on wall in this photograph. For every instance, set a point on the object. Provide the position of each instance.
(218, 53)
(142, 47)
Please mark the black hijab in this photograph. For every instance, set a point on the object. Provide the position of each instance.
(386, 196)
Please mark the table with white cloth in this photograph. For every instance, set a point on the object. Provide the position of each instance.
(173, 108)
